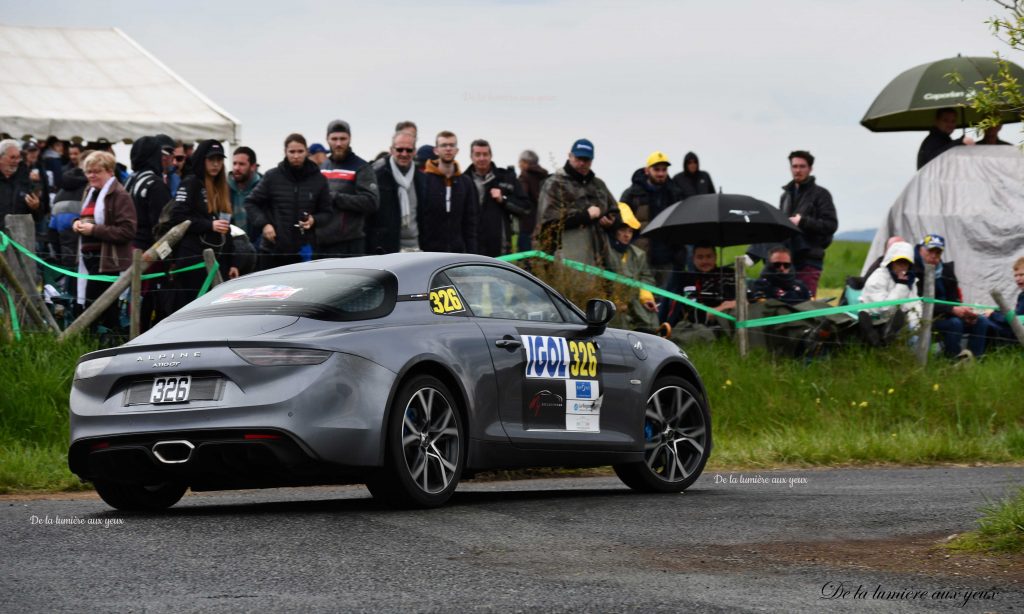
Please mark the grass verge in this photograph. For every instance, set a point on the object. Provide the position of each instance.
(861, 406)
(1000, 528)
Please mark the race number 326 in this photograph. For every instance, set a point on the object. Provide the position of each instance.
(584, 359)
(445, 300)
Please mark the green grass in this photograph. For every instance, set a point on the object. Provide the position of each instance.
(861, 406)
(35, 380)
(1000, 528)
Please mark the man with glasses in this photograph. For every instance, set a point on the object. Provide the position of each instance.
(354, 196)
(573, 208)
(778, 280)
(809, 206)
(392, 227)
(447, 216)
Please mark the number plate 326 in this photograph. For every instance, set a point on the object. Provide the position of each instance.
(170, 389)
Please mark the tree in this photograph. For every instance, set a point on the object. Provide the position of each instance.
(1001, 93)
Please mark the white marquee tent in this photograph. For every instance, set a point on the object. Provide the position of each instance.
(974, 197)
(98, 83)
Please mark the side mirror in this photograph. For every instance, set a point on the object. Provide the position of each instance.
(599, 313)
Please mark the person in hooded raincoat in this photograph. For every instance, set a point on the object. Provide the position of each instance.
(693, 181)
(894, 280)
(628, 260)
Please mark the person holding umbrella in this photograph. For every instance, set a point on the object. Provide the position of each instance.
(809, 206)
(939, 139)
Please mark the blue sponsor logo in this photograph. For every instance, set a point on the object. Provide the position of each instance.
(583, 390)
(546, 357)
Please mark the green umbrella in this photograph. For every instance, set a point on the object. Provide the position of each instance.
(910, 100)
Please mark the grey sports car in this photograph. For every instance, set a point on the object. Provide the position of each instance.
(405, 372)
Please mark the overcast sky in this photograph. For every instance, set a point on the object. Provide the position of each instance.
(741, 83)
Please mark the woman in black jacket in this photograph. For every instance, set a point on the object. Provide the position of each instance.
(204, 200)
(288, 204)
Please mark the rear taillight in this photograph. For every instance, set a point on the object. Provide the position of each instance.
(275, 357)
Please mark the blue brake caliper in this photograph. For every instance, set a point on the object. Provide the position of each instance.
(648, 430)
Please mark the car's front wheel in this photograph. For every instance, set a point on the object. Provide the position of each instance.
(424, 456)
(677, 439)
(138, 497)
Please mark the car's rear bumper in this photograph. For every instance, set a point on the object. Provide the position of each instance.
(207, 459)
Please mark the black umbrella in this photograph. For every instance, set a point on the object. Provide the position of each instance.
(720, 220)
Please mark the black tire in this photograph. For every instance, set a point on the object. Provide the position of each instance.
(137, 497)
(425, 451)
(677, 430)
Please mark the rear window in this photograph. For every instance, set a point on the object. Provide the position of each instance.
(339, 295)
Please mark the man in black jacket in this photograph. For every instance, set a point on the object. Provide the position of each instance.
(500, 195)
(809, 206)
(354, 195)
(531, 177)
(939, 139)
(447, 216)
(651, 193)
(392, 227)
(16, 192)
(693, 181)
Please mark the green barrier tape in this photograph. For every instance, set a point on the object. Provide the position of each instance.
(769, 321)
(209, 280)
(5, 241)
(14, 313)
(955, 304)
(593, 270)
(803, 315)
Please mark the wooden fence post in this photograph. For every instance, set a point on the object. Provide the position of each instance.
(1015, 324)
(211, 264)
(136, 294)
(742, 341)
(31, 308)
(924, 340)
(21, 228)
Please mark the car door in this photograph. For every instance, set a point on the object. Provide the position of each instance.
(559, 385)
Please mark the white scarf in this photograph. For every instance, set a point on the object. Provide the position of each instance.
(100, 215)
(405, 183)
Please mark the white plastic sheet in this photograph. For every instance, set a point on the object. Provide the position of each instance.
(974, 197)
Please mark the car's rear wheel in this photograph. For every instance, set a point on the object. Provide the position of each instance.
(677, 434)
(138, 497)
(424, 456)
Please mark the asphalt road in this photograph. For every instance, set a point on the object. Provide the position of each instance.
(551, 545)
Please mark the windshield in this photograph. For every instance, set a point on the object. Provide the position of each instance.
(335, 294)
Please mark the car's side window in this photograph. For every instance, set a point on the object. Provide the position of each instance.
(494, 292)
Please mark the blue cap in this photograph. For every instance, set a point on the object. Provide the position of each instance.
(934, 242)
(316, 148)
(582, 149)
(424, 153)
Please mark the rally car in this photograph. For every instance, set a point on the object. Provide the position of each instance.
(406, 372)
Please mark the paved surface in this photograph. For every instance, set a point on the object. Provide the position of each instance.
(551, 545)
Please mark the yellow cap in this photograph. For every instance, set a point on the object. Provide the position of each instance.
(657, 158)
(627, 217)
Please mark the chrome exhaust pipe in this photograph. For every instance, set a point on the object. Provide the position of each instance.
(178, 451)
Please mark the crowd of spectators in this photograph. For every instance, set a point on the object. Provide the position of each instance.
(326, 201)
